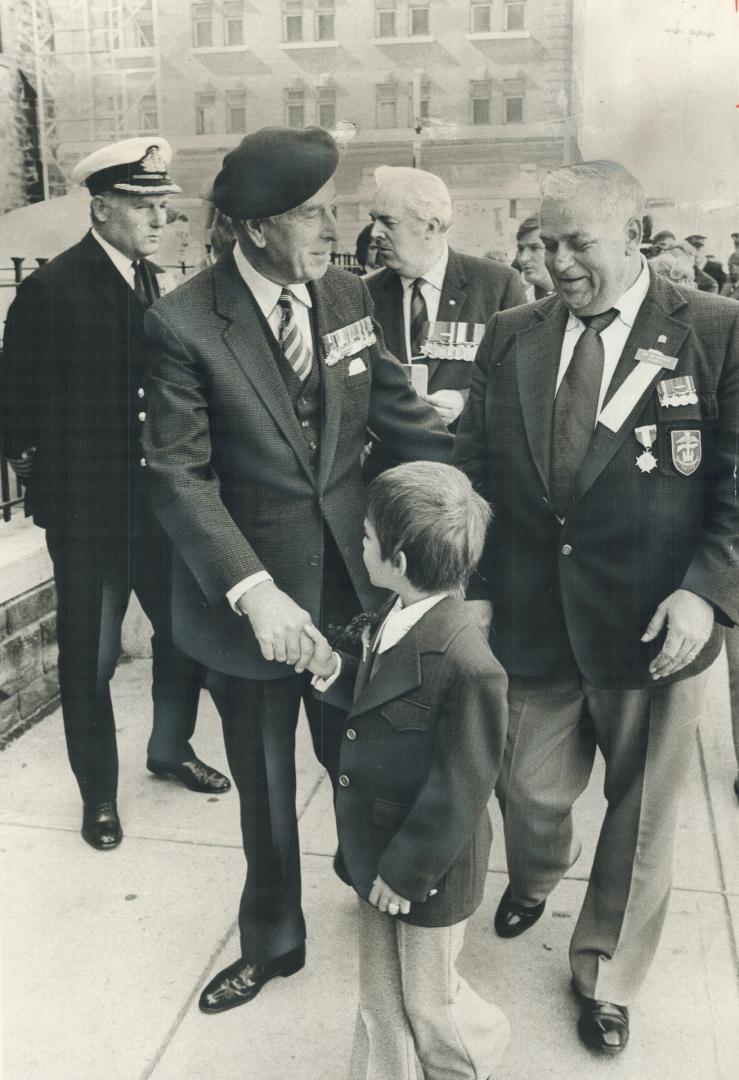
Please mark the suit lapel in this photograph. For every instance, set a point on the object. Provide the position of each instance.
(452, 300)
(110, 284)
(401, 673)
(247, 341)
(653, 319)
(537, 363)
(332, 383)
(393, 325)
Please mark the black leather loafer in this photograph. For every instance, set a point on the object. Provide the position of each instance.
(101, 827)
(242, 981)
(602, 1026)
(194, 774)
(512, 919)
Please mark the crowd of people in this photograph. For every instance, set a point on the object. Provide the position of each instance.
(478, 520)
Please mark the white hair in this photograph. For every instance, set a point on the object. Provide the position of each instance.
(425, 194)
(617, 188)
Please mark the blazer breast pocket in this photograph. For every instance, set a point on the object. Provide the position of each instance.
(407, 715)
(683, 432)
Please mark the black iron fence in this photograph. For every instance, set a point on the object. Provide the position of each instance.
(11, 491)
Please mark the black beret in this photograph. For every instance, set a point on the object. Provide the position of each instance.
(274, 170)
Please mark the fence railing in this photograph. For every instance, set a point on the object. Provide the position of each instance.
(11, 491)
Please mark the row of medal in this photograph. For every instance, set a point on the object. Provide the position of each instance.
(348, 340)
(451, 340)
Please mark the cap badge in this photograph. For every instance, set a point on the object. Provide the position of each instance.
(153, 161)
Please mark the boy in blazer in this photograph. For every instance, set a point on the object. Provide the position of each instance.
(422, 743)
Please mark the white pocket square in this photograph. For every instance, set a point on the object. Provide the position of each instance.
(357, 366)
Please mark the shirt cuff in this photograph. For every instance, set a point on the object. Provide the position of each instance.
(322, 685)
(243, 586)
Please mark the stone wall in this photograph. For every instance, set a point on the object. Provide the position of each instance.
(29, 684)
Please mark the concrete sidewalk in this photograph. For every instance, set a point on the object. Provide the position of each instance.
(104, 954)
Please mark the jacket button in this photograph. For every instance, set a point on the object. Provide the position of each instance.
(315, 560)
(567, 549)
(143, 461)
(140, 391)
(343, 780)
(351, 734)
(142, 416)
(305, 423)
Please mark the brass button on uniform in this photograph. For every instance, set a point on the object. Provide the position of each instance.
(142, 416)
(351, 734)
(343, 780)
(567, 549)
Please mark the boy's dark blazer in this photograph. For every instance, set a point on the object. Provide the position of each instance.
(473, 290)
(229, 466)
(420, 753)
(631, 538)
(74, 358)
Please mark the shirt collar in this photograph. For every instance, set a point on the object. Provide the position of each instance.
(400, 619)
(266, 292)
(627, 305)
(435, 275)
(122, 263)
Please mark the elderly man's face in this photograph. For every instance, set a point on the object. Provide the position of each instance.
(405, 242)
(131, 223)
(297, 244)
(590, 250)
(530, 253)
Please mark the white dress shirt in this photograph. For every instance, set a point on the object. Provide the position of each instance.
(433, 282)
(613, 337)
(267, 294)
(396, 625)
(121, 262)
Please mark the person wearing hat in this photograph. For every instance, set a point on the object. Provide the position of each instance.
(268, 370)
(703, 281)
(73, 405)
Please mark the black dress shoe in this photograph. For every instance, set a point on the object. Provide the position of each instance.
(194, 774)
(602, 1025)
(100, 825)
(242, 981)
(512, 919)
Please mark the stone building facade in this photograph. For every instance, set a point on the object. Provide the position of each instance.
(485, 94)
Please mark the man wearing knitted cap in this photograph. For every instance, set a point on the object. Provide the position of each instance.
(73, 406)
(269, 369)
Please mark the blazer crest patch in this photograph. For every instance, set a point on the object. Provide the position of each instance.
(687, 450)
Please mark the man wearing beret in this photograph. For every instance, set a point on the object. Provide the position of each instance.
(72, 410)
(269, 369)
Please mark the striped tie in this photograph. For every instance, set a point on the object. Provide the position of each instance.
(419, 316)
(297, 351)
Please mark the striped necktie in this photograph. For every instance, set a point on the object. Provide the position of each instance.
(297, 350)
(419, 316)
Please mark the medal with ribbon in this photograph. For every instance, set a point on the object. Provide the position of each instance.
(348, 340)
(645, 436)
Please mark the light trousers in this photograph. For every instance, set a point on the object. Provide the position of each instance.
(647, 738)
(416, 1010)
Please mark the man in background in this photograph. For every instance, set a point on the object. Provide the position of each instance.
(530, 258)
(73, 405)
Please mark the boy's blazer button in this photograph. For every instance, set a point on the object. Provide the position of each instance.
(143, 461)
(351, 734)
(566, 549)
(343, 780)
(142, 416)
(140, 391)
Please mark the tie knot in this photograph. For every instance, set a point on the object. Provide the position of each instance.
(285, 299)
(601, 321)
(418, 282)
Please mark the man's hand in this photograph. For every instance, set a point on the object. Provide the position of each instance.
(448, 404)
(323, 661)
(385, 899)
(278, 623)
(689, 620)
(482, 614)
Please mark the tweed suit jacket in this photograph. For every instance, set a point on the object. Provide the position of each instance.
(428, 730)
(230, 473)
(473, 290)
(74, 357)
(593, 583)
